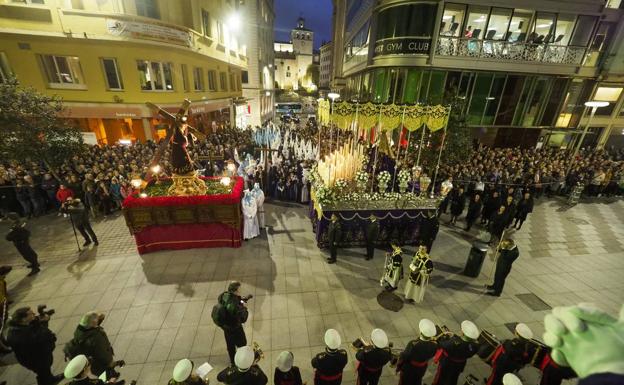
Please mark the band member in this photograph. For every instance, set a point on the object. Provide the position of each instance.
(372, 233)
(328, 365)
(511, 355)
(183, 374)
(511, 379)
(420, 269)
(334, 234)
(553, 373)
(393, 269)
(414, 359)
(244, 371)
(453, 353)
(373, 358)
(508, 253)
(285, 373)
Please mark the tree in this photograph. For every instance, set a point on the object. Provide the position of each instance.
(458, 142)
(31, 127)
(312, 74)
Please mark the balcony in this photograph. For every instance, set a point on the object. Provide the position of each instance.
(525, 52)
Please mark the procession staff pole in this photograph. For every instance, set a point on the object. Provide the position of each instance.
(496, 251)
(396, 158)
(377, 149)
(435, 176)
(422, 139)
(355, 130)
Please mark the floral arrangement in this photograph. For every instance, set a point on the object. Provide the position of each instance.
(383, 178)
(325, 195)
(404, 177)
(361, 179)
(341, 184)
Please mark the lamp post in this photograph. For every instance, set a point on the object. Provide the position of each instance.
(594, 104)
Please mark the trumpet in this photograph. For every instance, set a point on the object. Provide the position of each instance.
(258, 353)
(442, 331)
(361, 343)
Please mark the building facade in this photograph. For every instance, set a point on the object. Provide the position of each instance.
(325, 70)
(293, 58)
(106, 58)
(523, 67)
(258, 18)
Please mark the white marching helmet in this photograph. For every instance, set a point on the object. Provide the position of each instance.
(524, 331)
(285, 361)
(379, 338)
(75, 366)
(244, 357)
(332, 339)
(511, 379)
(182, 370)
(427, 328)
(470, 330)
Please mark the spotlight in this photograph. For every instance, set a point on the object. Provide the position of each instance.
(136, 182)
(156, 169)
(143, 195)
(231, 166)
(225, 181)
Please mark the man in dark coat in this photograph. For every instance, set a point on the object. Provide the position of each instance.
(20, 237)
(510, 209)
(458, 202)
(92, 341)
(498, 221)
(237, 314)
(373, 358)
(474, 210)
(453, 353)
(372, 233)
(33, 343)
(525, 206)
(334, 235)
(414, 360)
(80, 218)
(508, 253)
(492, 203)
(429, 230)
(328, 365)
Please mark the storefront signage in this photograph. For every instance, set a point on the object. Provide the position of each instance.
(403, 46)
(150, 31)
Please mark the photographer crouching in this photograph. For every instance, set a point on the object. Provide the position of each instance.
(33, 342)
(230, 313)
(79, 217)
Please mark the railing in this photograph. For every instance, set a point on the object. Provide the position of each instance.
(514, 51)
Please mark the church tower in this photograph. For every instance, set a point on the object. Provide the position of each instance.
(302, 38)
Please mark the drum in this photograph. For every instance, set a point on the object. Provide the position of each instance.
(487, 345)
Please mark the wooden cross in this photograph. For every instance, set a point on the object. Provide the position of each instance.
(210, 158)
(172, 121)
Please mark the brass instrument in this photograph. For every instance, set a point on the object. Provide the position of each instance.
(258, 353)
(442, 331)
(537, 352)
(361, 343)
(471, 380)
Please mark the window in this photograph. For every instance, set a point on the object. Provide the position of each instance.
(147, 8)
(245, 76)
(453, 19)
(185, 80)
(406, 20)
(63, 71)
(519, 25)
(223, 80)
(607, 94)
(543, 31)
(497, 26)
(5, 70)
(232, 83)
(287, 74)
(198, 79)
(220, 33)
(212, 80)
(476, 22)
(206, 23)
(155, 76)
(563, 31)
(111, 72)
(583, 30)
(29, 1)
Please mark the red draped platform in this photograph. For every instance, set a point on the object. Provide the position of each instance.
(176, 223)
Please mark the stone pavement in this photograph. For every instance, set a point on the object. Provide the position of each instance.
(158, 305)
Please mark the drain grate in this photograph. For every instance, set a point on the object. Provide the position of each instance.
(534, 302)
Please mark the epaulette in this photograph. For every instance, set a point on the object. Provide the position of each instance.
(321, 355)
(343, 352)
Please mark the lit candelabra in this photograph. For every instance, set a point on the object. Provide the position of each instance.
(343, 163)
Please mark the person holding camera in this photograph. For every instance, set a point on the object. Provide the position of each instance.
(33, 342)
(20, 236)
(230, 313)
(80, 218)
(244, 371)
(91, 340)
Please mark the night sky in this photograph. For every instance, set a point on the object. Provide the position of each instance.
(317, 15)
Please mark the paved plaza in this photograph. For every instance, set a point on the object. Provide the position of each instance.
(158, 305)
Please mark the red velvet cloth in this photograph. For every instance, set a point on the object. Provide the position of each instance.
(187, 236)
(218, 199)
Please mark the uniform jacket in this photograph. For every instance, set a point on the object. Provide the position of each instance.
(233, 376)
(94, 343)
(330, 362)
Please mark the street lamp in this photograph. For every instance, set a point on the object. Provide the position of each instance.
(594, 104)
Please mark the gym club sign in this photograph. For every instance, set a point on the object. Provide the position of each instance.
(403, 46)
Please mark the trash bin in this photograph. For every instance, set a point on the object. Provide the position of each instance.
(475, 259)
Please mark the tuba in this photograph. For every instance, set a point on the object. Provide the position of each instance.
(258, 353)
